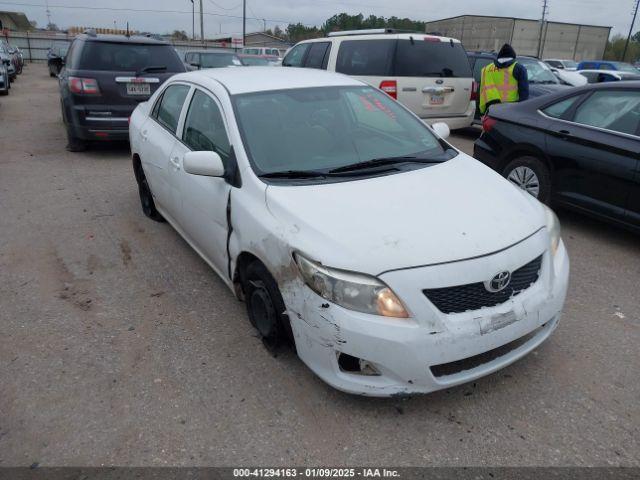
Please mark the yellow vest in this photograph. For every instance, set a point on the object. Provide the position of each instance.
(497, 84)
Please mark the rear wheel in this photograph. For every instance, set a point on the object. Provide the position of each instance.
(531, 175)
(146, 197)
(75, 144)
(265, 306)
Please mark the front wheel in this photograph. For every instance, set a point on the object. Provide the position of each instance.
(265, 306)
(531, 175)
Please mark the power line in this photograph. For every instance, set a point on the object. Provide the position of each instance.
(144, 10)
(225, 8)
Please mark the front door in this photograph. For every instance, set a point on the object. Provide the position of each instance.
(204, 199)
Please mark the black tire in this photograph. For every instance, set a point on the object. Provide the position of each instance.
(265, 307)
(531, 174)
(146, 197)
(75, 144)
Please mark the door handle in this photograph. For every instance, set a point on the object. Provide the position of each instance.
(144, 135)
(564, 133)
(175, 161)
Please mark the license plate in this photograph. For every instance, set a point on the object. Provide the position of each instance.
(436, 99)
(139, 89)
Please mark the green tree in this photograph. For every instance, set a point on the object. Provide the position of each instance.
(615, 48)
(180, 35)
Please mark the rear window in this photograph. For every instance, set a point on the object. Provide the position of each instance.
(128, 57)
(420, 58)
(217, 60)
(403, 58)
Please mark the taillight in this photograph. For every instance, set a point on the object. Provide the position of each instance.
(474, 91)
(83, 86)
(488, 123)
(390, 87)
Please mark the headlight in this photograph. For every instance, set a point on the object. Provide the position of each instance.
(354, 291)
(553, 227)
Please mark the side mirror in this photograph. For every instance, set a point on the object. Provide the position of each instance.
(207, 164)
(441, 129)
(195, 65)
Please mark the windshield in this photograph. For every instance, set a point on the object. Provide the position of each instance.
(216, 60)
(253, 61)
(320, 129)
(537, 72)
(625, 67)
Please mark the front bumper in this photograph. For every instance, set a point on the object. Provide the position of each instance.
(432, 350)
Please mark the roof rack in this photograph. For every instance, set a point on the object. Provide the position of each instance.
(371, 31)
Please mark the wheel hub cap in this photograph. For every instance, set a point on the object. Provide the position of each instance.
(526, 179)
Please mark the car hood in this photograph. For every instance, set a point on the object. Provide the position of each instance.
(455, 210)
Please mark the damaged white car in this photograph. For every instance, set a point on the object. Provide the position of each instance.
(394, 263)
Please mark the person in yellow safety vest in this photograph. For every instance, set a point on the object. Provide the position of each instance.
(504, 80)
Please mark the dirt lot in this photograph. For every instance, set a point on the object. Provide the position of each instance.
(119, 346)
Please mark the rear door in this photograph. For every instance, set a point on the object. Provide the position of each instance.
(434, 77)
(119, 69)
(595, 151)
(158, 135)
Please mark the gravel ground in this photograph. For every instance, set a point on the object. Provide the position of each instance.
(119, 346)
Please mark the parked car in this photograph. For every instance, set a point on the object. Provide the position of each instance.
(104, 79)
(8, 61)
(18, 58)
(607, 65)
(577, 148)
(5, 83)
(259, 60)
(219, 58)
(542, 80)
(599, 76)
(268, 51)
(562, 64)
(394, 262)
(428, 74)
(55, 59)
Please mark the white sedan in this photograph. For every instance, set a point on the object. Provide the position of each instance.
(393, 262)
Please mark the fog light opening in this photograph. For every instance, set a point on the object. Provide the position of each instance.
(356, 366)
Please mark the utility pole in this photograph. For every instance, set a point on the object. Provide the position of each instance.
(48, 13)
(635, 14)
(193, 20)
(244, 20)
(264, 25)
(201, 22)
(545, 10)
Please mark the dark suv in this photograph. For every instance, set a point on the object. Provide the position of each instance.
(104, 79)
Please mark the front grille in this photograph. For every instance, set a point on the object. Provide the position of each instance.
(474, 295)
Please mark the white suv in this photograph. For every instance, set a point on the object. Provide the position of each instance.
(428, 74)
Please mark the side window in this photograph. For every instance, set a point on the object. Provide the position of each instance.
(590, 76)
(606, 77)
(167, 110)
(317, 54)
(69, 61)
(605, 66)
(366, 57)
(204, 127)
(617, 110)
(558, 109)
(588, 66)
(295, 56)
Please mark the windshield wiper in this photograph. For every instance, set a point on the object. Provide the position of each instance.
(294, 174)
(152, 69)
(376, 162)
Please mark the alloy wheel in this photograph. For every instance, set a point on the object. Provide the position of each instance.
(526, 179)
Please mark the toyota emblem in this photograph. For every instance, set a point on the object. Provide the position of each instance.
(499, 282)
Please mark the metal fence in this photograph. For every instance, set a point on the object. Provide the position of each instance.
(35, 45)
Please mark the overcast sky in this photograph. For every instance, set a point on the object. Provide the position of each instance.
(280, 12)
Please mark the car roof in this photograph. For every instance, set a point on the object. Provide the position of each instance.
(211, 50)
(133, 39)
(381, 36)
(238, 80)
